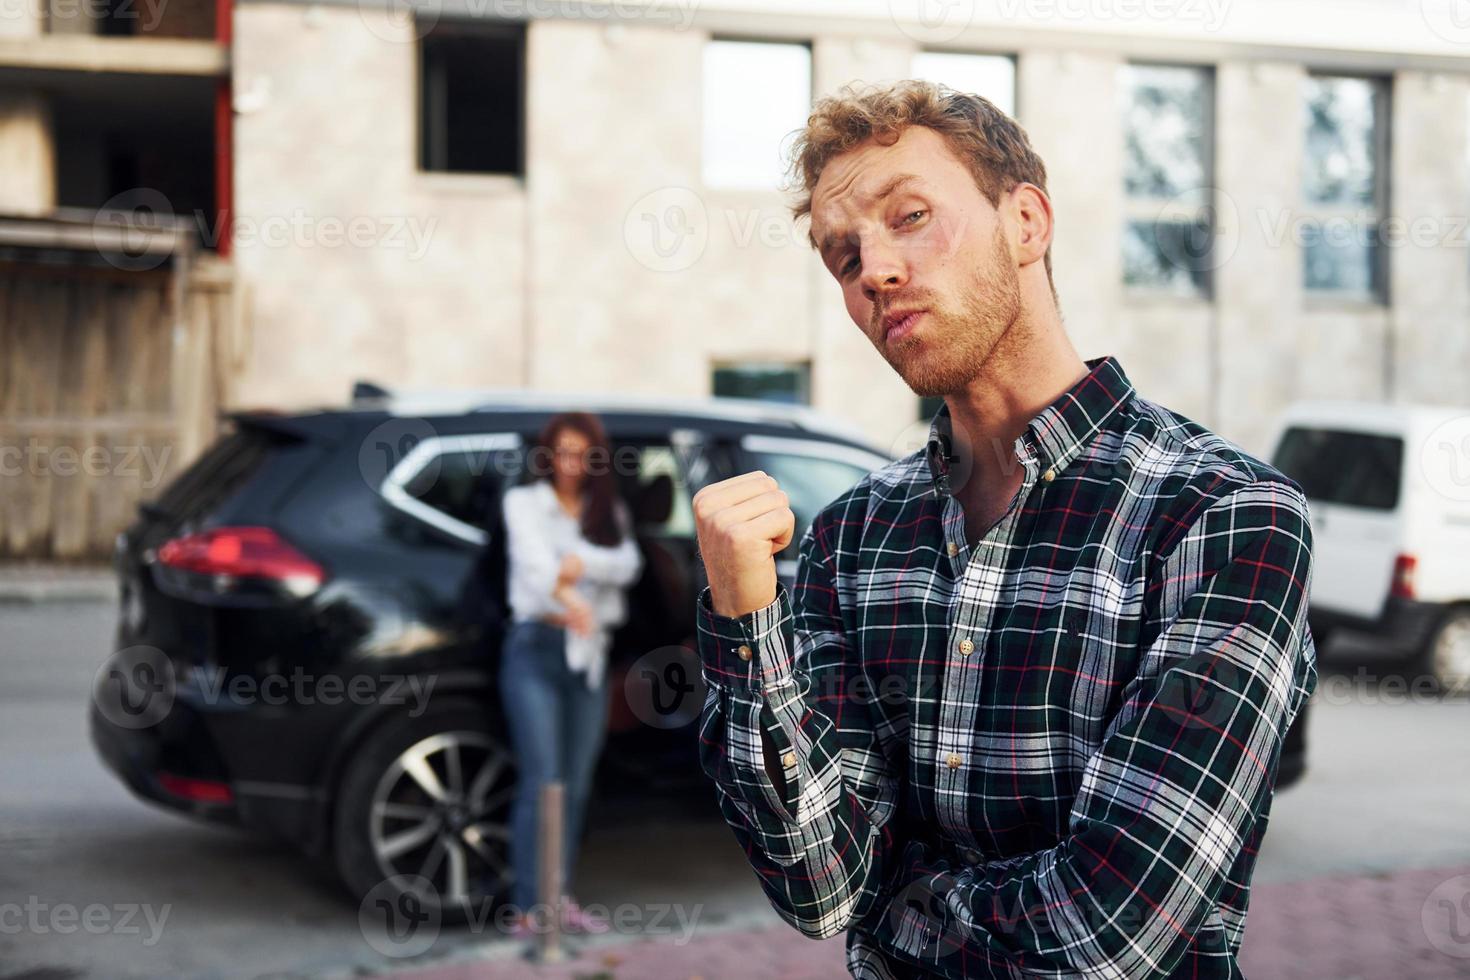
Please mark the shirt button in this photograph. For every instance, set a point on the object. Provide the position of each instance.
(744, 652)
(953, 549)
(1049, 475)
(788, 760)
(953, 761)
(967, 646)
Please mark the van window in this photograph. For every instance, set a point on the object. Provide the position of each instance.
(1357, 469)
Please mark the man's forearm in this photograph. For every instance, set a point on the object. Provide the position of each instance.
(813, 833)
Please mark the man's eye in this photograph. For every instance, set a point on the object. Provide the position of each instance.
(914, 216)
(849, 266)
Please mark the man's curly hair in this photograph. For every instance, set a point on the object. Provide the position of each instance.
(989, 142)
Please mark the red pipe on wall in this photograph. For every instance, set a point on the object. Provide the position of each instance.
(224, 131)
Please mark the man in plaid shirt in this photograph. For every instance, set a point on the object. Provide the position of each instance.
(1022, 713)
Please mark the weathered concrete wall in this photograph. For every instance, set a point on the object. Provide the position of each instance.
(610, 266)
(356, 264)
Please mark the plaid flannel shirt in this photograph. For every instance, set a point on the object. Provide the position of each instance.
(1047, 755)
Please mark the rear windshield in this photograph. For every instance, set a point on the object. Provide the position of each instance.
(1357, 469)
(219, 472)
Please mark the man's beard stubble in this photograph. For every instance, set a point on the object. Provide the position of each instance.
(956, 343)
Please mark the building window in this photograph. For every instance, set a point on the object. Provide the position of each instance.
(756, 95)
(1168, 228)
(1344, 186)
(991, 76)
(789, 384)
(472, 96)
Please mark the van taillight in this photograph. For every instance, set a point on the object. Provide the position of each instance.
(243, 552)
(1403, 577)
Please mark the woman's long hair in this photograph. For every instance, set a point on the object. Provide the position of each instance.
(599, 486)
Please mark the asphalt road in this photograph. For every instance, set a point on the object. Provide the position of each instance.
(94, 883)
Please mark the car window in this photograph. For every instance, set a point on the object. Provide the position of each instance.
(454, 482)
(811, 482)
(657, 492)
(466, 485)
(1357, 469)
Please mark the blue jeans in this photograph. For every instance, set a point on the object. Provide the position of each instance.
(557, 725)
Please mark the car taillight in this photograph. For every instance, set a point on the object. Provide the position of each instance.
(1403, 577)
(196, 790)
(243, 553)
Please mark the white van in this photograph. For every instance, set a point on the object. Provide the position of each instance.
(1389, 490)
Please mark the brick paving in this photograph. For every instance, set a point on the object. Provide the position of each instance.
(1411, 925)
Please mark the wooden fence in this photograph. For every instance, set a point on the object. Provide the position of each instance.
(110, 382)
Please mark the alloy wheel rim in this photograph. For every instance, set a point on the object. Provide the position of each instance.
(440, 815)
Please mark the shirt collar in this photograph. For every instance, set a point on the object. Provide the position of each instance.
(1058, 433)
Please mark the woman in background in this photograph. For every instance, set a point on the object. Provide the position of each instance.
(571, 558)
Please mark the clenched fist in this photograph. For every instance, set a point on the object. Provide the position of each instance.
(743, 523)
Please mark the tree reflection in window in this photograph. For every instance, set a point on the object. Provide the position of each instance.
(1168, 234)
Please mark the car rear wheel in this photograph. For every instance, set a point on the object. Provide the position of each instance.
(1448, 653)
(424, 807)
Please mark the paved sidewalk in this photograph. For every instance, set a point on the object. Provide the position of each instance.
(30, 582)
(1412, 925)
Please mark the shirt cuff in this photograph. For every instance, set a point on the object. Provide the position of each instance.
(751, 651)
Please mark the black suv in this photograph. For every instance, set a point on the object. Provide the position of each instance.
(310, 617)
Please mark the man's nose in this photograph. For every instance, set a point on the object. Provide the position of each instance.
(883, 271)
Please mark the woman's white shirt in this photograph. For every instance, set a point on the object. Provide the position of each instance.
(539, 533)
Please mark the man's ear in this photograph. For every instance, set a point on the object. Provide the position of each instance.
(1033, 215)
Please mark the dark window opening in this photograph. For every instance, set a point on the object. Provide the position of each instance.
(789, 384)
(472, 87)
(138, 145)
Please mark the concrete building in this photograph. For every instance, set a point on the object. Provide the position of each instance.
(1257, 200)
(552, 276)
